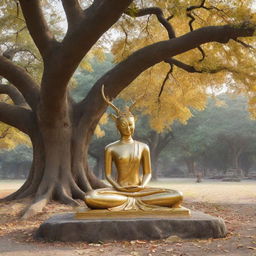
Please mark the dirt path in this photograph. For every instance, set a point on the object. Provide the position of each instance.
(16, 236)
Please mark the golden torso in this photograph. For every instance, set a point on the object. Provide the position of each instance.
(127, 159)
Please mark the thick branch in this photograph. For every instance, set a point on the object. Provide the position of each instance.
(73, 11)
(125, 72)
(78, 41)
(159, 14)
(21, 80)
(18, 117)
(37, 25)
(13, 93)
(80, 38)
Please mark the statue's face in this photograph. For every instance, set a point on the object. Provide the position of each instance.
(126, 125)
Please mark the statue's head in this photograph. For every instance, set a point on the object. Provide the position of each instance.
(125, 124)
(124, 120)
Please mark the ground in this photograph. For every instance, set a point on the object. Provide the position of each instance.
(235, 202)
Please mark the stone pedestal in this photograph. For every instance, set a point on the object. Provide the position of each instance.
(65, 227)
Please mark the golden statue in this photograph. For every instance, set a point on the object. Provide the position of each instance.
(129, 191)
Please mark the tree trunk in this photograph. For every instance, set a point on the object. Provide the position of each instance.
(99, 167)
(59, 169)
(236, 161)
(190, 166)
(236, 152)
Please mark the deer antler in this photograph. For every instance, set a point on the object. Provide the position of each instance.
(108, 101)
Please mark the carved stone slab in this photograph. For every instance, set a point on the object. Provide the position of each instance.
(64, 227)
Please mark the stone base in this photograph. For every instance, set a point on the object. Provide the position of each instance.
(64, 227)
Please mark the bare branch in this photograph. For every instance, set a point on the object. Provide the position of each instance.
(191, 69)
(192, 19)
(4, 133)
(245, 44)
(10, 53)
(159, 14)
(21, 80)
(16, 116)
(190, 15)
(189, 9)
(73, 11)
(37, 25)
(13, 93)
(164, 82)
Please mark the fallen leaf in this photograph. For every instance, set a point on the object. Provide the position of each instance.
(173, 239)
(140, 242)
(134, 253)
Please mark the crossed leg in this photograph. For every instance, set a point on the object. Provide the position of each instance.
(107, 198)
(170, 198)
(100, 200)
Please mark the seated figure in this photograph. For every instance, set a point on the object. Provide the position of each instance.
(129, 191)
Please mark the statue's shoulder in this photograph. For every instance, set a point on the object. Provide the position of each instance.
(143, 145)
(112, 145)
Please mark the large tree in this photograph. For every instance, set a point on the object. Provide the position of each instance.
(59, 128)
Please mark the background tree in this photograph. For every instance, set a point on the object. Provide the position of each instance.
(217, 137)
(15, 163)
(60, 129)
(157, 141)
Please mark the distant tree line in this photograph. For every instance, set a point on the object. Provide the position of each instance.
(214, 140)
(14, 164)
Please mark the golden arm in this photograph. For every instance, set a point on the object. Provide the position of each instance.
(146, 166)
(108, 169)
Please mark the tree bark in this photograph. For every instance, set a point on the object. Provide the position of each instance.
(59, 169)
